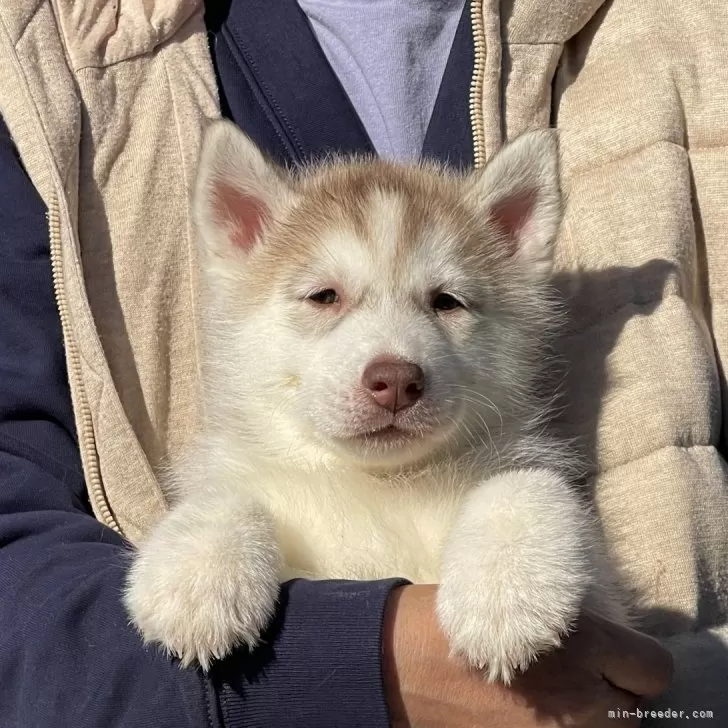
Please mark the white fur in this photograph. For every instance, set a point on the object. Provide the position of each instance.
(206, 578)
(518, 553)
(277, 484)
(529, 164)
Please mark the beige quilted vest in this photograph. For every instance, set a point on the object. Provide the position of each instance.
(107, 102)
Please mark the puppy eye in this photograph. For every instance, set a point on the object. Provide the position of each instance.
(445, 302)
(325, 297)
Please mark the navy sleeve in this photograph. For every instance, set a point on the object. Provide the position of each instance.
(68, 657)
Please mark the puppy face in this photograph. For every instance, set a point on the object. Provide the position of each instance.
(371, 310)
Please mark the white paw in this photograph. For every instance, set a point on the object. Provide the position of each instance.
(514, 574)
(200, 594)
(497, 630)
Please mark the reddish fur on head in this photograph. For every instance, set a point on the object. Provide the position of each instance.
(248, 209)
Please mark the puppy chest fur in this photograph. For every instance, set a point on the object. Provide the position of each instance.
(358, 526)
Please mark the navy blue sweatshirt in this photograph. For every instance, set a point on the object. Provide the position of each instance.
(68, 656)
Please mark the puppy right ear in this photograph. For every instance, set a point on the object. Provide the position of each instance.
(237, 191)
(519, 193)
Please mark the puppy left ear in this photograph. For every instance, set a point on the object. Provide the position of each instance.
(520, 193)
(238, 191)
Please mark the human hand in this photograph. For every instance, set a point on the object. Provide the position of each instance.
(601, 667)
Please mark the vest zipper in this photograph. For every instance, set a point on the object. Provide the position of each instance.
(476, 84)
(84, 422)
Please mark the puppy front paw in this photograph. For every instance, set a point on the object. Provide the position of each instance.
(500, 632)
(198, 594)
(515, 571)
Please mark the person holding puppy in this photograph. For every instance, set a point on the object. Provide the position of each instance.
(103, 111)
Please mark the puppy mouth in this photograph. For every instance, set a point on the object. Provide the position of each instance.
(394, 434)
(387, 432)
(377, 432)
(393, 429)
(391, 441)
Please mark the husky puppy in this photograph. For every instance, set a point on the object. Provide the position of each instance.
(373, 335)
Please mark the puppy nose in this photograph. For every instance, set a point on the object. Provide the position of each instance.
(394, 384)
